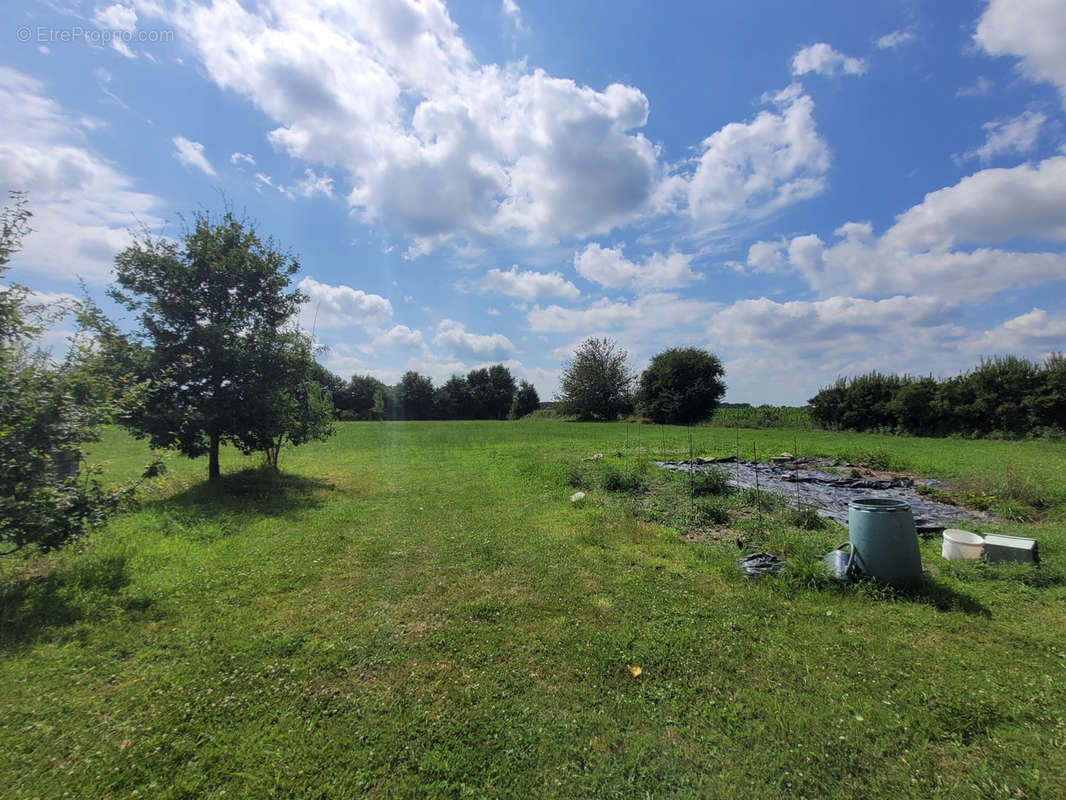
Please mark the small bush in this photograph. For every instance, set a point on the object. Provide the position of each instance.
(806, 517)
(575, 476)
(761, 500)
(710, 511)
(615, 480)
(712, 482)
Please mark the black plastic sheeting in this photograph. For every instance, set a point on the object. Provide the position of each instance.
(761, 564)
(829, 493)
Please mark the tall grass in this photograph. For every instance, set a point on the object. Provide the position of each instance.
(790, 417)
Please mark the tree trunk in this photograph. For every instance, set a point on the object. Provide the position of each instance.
(213, 471)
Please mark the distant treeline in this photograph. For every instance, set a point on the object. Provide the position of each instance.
(489, 393)
(1003, 396)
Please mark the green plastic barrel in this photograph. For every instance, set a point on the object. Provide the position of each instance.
(884, 541)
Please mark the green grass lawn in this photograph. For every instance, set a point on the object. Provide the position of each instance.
(418, 609)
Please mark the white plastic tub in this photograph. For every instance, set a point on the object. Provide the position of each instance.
(960, 545)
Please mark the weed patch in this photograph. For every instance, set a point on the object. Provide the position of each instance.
(713, 481)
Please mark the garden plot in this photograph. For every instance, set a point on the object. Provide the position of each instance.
(807, 481)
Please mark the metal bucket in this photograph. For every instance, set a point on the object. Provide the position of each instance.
(884, 541)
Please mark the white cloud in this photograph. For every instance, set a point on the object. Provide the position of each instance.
(1031, 30)
(748, 170)
(766, 257)
(978, 88)
(784, 352)
(609, 268)
(116, 17)
(312, 184)
(891, 41)
(528, 285)
(191, 154)
(940, 246)
(648, 313)
(824, 60)
(1033, 334)
(1014, 136)
(990, 206)
(806, 326)
(399, 336)
(237, 158)
(454, 337)
(432, 143)
(340, 306)
(510, 9)
(82, 205)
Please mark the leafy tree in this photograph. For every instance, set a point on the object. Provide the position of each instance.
(213, 310)
(953, 405)
(1048, 400)
(501, 392)
(452, 399)
(526, 401)
(914, 407)
(1000, 388)
(479, 393)
(596, 382)
(357, 401)
(867, 403)
(681, 386)
(378, 409)
(333, 384)
(825, 407)
(47, 413)
(297, 408)
(414, 396)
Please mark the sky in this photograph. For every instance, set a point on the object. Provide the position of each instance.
(807, 189)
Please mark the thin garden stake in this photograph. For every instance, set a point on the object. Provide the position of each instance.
(662, 433)
(691, 471)
(758, 505)
(738, 458)
(798, 503)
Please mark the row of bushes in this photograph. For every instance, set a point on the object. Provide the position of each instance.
(487, 393)
(1003, 396)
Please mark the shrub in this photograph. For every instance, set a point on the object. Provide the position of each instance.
(615, 480)
(711, 511)
(681, 386)
(806, 517)
(761, 500)
(712, 482)
(48, 413)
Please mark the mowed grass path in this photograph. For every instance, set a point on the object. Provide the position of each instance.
(417, 609)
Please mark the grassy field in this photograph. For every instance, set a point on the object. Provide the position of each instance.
(418, 609)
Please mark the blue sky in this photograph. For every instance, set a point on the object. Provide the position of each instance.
(808, 189)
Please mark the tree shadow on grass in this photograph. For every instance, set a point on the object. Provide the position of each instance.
(52, 601)
(250, 493)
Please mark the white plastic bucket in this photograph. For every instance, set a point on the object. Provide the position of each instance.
(960, 545)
